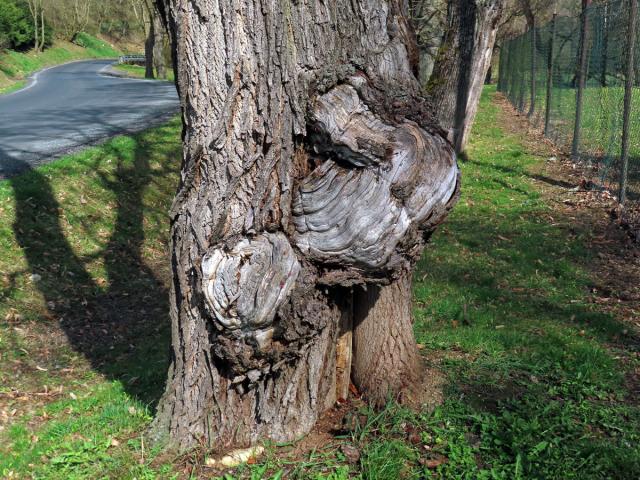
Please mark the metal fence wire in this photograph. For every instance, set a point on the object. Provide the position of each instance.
(576, 78)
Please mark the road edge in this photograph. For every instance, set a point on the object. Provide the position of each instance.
(32, 79)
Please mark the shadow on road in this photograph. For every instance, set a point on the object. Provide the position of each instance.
(75, 129)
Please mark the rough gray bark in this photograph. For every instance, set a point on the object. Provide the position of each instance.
(462, 64)
(428, 18)
(149, 46)
(312, 166)
(158, 45)
(386, 360)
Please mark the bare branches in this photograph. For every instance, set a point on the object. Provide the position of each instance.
(36, 9)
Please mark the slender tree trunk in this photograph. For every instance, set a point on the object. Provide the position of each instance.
(42, 36)
(604, 59)
(36, 34)
(149, 48)
(312, 166)
(462, 64)
(33, 9)
(158, 43)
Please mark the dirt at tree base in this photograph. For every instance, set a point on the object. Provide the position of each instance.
(334, 427)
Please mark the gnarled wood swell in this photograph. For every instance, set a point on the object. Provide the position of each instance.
(310, 165)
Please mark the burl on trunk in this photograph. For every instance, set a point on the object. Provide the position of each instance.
(313, 174)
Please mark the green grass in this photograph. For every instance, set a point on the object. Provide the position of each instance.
(13, 87)
(540, 376)
(86, 343)
(94, 46)
(535, 374)
(138, 71)
(602, 120)
(16, 66)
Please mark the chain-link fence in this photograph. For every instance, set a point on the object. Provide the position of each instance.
(571, 77)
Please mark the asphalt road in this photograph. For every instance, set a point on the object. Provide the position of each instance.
(70, 106)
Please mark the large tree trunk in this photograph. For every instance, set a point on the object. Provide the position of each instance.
(312, 167)
(461, 67)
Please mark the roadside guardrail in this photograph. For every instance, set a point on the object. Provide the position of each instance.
(132, 59)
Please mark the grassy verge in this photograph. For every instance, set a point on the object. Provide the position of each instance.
(537, 379)
(138, 72)
(539, 384)
(17, 85)
(16, 66)
(83, 308)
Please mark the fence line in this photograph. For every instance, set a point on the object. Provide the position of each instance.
(578, 79)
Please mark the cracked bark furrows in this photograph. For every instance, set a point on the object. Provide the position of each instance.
(462, 63)
(278, 97)
(381, 347)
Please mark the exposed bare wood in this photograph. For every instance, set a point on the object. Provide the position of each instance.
(344, 351)
(359, 216)
(245, 285)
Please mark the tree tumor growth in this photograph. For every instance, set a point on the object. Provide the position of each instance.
(313, 174)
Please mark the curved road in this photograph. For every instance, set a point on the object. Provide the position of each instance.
(74, 105)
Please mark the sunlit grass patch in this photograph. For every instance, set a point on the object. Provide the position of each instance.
(503, 293)
(83, 313)
(138, 71)
(536, 375)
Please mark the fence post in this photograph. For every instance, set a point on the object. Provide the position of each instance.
(512, 70)
(523, 68)
(604, 59)
(501, 67)
(532, 106)
(581, 78)
(504, 66)
(552, 42)
(628, 89)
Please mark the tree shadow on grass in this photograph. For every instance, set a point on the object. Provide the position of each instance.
(529, 269)
(525, 353)
(633, 192)
(120, 324)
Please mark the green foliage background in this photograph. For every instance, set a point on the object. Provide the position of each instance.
(16, 26)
